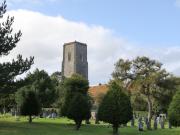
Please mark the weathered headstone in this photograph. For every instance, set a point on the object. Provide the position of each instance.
(132, 122)
(162, 120)
(155, 123)
(140, 124)
(169, 125)
(146, 122)
(96, 118)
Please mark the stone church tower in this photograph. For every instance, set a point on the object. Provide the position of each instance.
(75, 59)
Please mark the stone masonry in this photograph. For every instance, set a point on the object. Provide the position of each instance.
(75, 59)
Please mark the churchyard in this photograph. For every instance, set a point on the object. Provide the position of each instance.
(140, 97)
(63, 126)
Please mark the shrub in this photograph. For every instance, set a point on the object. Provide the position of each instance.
(174, 110)
(76, 103)
(79, 109)
(28, 102)
(115, 107)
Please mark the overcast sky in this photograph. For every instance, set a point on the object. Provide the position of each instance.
(112, 29)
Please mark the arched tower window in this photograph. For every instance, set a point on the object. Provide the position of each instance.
(81, 57)
(69, 56)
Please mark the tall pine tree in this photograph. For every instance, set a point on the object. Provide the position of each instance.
(8, 41)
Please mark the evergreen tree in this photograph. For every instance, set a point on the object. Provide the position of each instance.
(174, 110)
(78, 109)
(8, 41)
(115, 107)
(28, 102)
(76, 104)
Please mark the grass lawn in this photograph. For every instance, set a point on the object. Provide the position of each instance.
(62, 126)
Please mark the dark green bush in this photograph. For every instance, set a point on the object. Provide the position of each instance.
(174, 110)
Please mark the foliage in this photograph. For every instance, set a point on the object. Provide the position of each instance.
(164, 95)
(76, 87)
(79, 109)
(7, 101)
(115, 107)
(174, 110)
(60, 93)
(138, 103)
(28, 102)
(43, 85)
(58, 85)
(145, 77)
(73, 85)
(76, 84)
(56, 77)
(8, 41)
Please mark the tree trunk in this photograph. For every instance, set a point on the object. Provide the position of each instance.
(149, 113)
(30, 119)
(78, 124)
(115, 129)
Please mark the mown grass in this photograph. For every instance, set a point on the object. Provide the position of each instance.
(63, 126)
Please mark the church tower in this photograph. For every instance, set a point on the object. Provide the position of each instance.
(75, 59)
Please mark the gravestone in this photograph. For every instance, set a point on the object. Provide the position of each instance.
(155, 123)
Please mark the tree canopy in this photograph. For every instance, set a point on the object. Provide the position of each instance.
(8, 41)
(145, 77)
(43, 85)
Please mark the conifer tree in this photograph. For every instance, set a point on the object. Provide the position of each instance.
(8, 41)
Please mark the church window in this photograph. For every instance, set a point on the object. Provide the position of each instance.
(69, 56)
(81, 57)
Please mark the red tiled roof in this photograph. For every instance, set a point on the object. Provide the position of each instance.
(96, 91)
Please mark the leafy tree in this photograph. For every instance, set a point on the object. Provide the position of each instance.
(43, 85)
(163, 97)
(115, 107)
(145, 77)
(57, 82)
(28, 102)
(60, 93)
(8, 41)
(7, 101)
(138, 103)
(76, 87)
(174, 110)
(56, 77)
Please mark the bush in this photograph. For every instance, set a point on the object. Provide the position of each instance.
(115, 107)
(174, 110)
(79, 109)
(76, 103)
(28, 102)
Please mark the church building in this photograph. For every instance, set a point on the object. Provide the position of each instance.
(75, 59)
